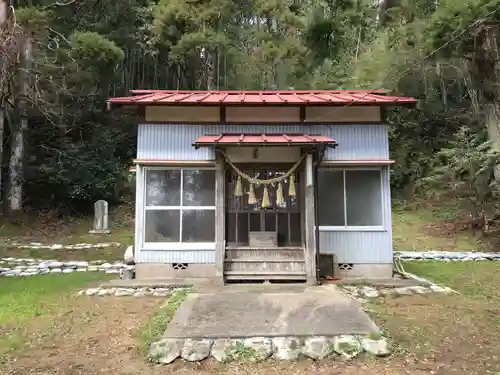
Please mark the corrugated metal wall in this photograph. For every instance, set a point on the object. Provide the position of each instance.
(174, 142)
(356, 142)
(362, 247)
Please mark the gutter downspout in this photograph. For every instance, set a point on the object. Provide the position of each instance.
(316, 212)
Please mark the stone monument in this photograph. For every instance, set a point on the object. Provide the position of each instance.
(100, 218)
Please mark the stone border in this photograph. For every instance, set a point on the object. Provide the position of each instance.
(33, 267)
(446, 256)
(364, 292)
(132, 292)
(258, 349)
(81, 246)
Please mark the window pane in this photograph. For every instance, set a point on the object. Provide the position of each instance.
(163, 188)
(364, 198)
(199, 188)
(162, 226)
(331, 198)
(198, 226)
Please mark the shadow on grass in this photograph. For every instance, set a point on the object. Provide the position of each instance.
(155, 328)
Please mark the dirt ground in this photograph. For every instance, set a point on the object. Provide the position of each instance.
(99, 336)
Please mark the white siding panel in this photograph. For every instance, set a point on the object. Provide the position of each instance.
(174, 142)
(172, 256)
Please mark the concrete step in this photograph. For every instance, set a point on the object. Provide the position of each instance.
(259, 266)
(264, 254)
(263, 260)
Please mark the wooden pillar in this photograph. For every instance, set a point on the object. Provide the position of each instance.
(220, 217)
(139, 211)
(310, 223)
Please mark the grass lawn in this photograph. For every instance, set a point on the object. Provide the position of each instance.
(424, 227)
(25, 300)
(455, 334)
(46, 329)
(67, 231)
(111, 253)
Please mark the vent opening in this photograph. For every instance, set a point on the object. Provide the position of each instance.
(345, 266)
(179, 266)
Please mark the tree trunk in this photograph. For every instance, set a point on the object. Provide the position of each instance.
(489, 70)
(16, 175)
(3, 20)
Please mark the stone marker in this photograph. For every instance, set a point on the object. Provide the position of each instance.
(100, 218)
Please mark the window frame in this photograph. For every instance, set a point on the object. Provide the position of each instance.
(151, 246)
(358, 228)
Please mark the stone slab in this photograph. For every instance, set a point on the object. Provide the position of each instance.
(313, 311)
(385, 283)
(151, 283)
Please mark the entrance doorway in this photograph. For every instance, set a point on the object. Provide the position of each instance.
(243, 218)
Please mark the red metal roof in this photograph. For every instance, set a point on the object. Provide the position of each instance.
(308, 97)
(266, 139)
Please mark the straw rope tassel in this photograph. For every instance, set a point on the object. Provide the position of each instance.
(279, 195)
(265, 198)
(238, 190)
(251, 196)
(291, 190)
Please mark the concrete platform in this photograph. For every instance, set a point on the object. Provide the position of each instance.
(270, 311)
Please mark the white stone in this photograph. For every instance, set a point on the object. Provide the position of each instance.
(165, 351)
(262, 348)
(440, 289)
(223, 349)
(91, 291)
(160, 294)
(403, 290)
(420, 289)
(55, 264)
(347, 346)
(104, 292)
(56, 270)
(369, 292)
(81, 270)
(139, 293)
(93, 269)
(124, 292)
(196, 350)
(287, 348)
(317, 347)
(112, 270)
(128, 257)
(56, 247)
(68, 270)
(379, 348)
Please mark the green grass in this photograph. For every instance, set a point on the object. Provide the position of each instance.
(111, 253)
(30, 300)
(473, 279)
(159, 321)
(426, 227)
(23, 298)
(460, 331)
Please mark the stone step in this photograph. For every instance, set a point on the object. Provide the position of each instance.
(263, 275)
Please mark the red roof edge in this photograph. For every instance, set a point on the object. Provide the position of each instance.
(270, 139)
(271, 97)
